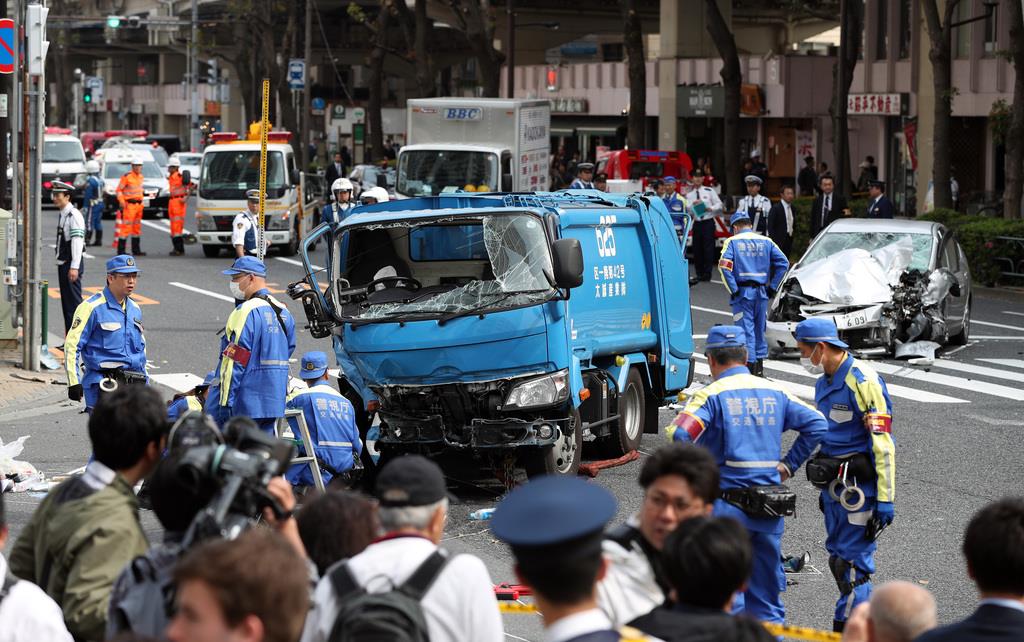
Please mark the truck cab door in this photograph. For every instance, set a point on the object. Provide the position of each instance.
(678, 361)
(506, 173)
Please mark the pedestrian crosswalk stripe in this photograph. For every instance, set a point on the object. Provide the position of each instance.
(1001, 337)
(712, 311)
(970, 368)
(177, 381)
(997, 325)
(191, 288)
(296, 262)
(974, 385)
(1011, 363)
(894, 389)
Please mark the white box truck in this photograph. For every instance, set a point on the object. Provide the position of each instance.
(474, 144)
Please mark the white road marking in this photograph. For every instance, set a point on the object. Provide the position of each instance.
(995, 390)
(998, 337)
(895, 390)
(1016, 314)
(178, 381)
(969, 368)
(192, 288)
(712, 311)
(165, 227)
(296, 262)
(804, 392)
(1011, 363)
(997, 325)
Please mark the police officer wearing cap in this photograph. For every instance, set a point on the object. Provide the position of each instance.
(245, 224)
(706, 205)
(330, 419)
(755, 204)
(342, 206)
(740, 418)
(555, 527)
(70, 251)
(584, 177)
(674, 203)
(856, 467)
(752, 267)
(191, 400)
(880, 205)
(106, 337)
(258, 340)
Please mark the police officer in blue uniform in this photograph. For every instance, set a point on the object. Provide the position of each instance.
(584, 177)
(740, 418)
(674, 203)
(92, 201)
(245, 224)
(555, 526)
(106, 338)
(192, 400)
(342, 206)
(755, 204)
(856, 467)
(258, 340)
(330, 419)
(752, 267)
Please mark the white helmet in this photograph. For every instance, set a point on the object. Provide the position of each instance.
(174, 162)
(136, 159)
(92, 167)
(341, 185)
(377, 193)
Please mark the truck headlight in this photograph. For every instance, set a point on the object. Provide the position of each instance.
(205, 222)
(542, 391)
(277, 222)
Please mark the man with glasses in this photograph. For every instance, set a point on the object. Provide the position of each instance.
(106, 336)
(258, 340)
(680, 481)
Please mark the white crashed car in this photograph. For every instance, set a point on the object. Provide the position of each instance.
(885, 283)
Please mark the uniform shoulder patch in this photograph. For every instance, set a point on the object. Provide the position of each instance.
(241, 225)
(77, 322)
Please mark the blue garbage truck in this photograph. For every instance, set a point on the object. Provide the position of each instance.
(509, 327)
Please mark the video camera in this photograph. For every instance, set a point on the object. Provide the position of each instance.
(241, 468)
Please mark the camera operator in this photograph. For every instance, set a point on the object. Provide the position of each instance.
(87, 528)
(253, 589)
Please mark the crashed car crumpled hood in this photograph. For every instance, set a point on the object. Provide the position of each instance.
(856, 276)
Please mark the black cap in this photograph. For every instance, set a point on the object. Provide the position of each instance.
(697, 173)
(410, 480)
(601, 176)
(808, 159)
(879, 184)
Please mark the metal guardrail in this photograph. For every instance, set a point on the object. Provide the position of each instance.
(1010, 268)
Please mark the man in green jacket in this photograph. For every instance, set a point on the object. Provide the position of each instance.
(87, 529)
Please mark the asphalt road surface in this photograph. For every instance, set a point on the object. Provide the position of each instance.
(957, 426)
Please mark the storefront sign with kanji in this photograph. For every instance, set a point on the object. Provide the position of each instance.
(876, 105)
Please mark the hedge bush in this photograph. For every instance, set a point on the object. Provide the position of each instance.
(977, 236)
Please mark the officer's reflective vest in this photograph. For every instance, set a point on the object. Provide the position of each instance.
(130, 188)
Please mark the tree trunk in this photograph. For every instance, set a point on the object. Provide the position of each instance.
(425, 71)
(732, 77)
(1015, 134)
(636, 122)
(476, 21)
(941, 37)
(288, 116)
(376, 66)
(851, 16)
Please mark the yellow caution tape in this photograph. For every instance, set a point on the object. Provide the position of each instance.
(782, 630)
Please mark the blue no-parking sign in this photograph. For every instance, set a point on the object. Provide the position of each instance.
(7, 46)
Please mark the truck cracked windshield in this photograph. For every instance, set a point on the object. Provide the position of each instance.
(458, 265)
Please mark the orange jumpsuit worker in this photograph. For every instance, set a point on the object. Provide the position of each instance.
(176, 206)
(130, 195)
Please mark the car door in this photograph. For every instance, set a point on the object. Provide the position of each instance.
(956, 302)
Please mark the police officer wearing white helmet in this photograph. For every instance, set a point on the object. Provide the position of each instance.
(92, 203)
(342, 206)
(374, 195)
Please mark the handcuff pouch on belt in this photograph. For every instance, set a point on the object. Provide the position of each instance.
(113, 378)
(763, 502)
(840, 477)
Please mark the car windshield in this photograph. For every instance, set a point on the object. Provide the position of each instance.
(428, 172)
(228, 174)
(117, 170)
(189, 159)
(62, 151)
(464, 264)
(833, 242)
(158, 153)
(640, 169)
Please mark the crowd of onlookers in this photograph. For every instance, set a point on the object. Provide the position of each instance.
(347, 567)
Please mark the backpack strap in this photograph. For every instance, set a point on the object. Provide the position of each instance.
(276, 310)
(423, 578)
(342, 581)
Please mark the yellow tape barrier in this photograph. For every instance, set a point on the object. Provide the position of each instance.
(783, 630)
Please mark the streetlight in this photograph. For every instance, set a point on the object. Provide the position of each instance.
(510, 58)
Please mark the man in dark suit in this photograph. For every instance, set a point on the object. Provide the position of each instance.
(827, 207)
(336, 169)
(880, 206)
(995, 561)
(780, 220)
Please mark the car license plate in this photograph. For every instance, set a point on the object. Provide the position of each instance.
(853, 320)
(145, 202)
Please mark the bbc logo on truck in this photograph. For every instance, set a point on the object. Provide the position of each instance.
(463, 113)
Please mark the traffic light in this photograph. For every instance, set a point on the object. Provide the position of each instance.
(87, 95)
(35, 36)
(114, 22)
(213, 72)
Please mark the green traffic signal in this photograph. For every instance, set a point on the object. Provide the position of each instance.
(87, 96)
(113, 21)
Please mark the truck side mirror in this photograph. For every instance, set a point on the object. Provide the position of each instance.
(567, 261)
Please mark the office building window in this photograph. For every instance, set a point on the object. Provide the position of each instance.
(881, 29)
(991, 34)
(962, 34)
(906, 28)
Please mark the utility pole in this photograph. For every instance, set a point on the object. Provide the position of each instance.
(35, 65)
(307, 92)
(193, 77)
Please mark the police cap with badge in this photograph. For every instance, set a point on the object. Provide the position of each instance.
(585, 167)
(122, 264)
(314, 365)
(753, 180)
(60, 187)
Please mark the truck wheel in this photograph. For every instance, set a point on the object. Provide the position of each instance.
(562, 458)
(211, 251)
(632, 413)
(292, 247)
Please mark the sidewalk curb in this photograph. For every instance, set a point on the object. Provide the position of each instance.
(43, 405)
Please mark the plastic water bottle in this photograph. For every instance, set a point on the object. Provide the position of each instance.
(482, 515)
